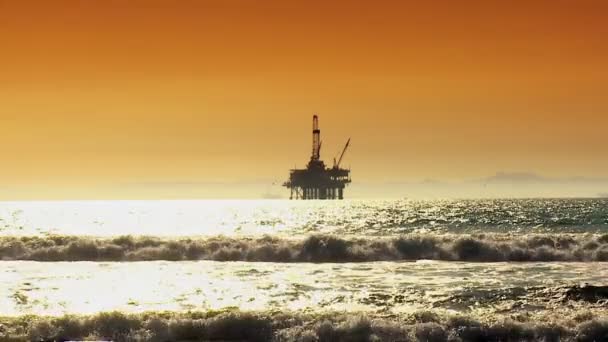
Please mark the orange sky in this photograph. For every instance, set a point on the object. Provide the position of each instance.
(97, 95)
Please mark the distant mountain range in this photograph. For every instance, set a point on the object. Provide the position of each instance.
(517, 177)
(501, 184)
(527, 177)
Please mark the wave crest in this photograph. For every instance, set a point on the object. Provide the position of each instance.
(316, 248)
(284, 326)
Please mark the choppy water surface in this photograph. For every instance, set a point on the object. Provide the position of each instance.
(487, 259)
(280, 217)
(85, 287)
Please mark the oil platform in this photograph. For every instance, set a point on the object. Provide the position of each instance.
(317, 181)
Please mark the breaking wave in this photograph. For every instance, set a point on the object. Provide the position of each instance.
(425, 326)
(317, 248)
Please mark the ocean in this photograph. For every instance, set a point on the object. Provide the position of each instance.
(259, 270)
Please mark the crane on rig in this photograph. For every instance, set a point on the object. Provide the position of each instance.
(337, 164)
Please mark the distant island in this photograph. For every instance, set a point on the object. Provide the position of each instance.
(603, 195)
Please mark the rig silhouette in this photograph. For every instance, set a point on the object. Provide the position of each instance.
(317, 181)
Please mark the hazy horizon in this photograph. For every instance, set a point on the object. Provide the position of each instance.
(499, 185)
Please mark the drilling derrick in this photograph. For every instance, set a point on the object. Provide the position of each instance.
(316, 138)
(317, 181)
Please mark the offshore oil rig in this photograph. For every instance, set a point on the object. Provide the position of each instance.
(317, 181)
